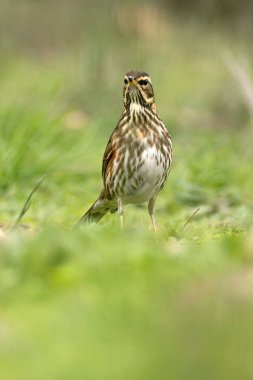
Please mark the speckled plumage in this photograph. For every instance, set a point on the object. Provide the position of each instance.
(138, 155)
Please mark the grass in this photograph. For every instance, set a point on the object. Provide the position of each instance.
(98, 303)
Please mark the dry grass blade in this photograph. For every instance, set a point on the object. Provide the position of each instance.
(27, 203)
(191, 217)
(241, 73)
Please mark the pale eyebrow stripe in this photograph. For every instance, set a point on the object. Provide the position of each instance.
(144, 78)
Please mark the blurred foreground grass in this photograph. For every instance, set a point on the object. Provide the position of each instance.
(97, 303)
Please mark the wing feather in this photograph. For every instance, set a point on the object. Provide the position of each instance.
(109, 153)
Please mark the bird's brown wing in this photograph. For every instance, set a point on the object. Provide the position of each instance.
(109, 153)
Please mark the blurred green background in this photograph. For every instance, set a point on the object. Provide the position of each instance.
(98, 303)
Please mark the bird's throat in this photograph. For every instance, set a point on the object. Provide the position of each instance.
(135, 107)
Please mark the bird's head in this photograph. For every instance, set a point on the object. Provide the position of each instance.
(138, 90)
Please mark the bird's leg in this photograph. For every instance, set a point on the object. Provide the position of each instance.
(151, 208)
(121, 213)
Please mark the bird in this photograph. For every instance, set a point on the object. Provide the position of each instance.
(138, 156)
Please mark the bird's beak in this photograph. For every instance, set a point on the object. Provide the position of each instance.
(132, 81)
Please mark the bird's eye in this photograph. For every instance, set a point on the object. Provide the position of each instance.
(143, 82)
(125, 80)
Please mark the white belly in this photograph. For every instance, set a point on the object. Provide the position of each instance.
(147, 179)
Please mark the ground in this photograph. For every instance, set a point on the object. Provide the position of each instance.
(97, 302)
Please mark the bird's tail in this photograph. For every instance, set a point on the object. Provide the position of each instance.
(96, 212)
